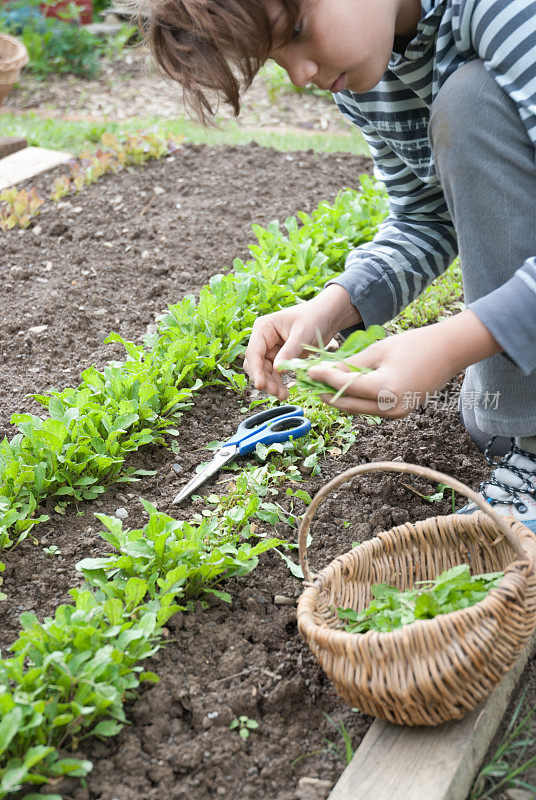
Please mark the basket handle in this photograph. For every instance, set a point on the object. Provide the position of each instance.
(409, 469)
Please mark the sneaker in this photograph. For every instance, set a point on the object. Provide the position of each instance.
(512, 486)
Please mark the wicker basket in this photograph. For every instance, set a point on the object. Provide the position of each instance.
(433, 670)
(13, 57)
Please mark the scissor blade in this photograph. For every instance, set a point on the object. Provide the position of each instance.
(222, 457)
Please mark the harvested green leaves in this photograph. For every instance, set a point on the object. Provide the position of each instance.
(454, 589)
(356, 342)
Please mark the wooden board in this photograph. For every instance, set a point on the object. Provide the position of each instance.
(29, 162)
(123, 12)
(399, 763)
(10, 144)
(103, 28)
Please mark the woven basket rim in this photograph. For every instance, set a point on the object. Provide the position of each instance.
(474, 520)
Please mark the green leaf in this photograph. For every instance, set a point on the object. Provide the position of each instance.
(149, 677)
(294, 568)
(34, 796)
(222, 595)
(135, 591)
(62, 719)
(91, 564)
(77, 768)
(106, 728)
(13, 778)
(28, 620)
(301, 494)
(36, 754)
(9, 726)
(145, 472)
(426, 606)
(56, 409)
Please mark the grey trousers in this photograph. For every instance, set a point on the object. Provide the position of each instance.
(486, 164)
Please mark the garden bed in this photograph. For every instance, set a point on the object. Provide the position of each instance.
(112, 258)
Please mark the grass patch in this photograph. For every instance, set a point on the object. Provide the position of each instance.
(77, 136)
(511, 761)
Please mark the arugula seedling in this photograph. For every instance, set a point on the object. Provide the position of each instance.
(53, 550)
(433, 498)
(243, 725)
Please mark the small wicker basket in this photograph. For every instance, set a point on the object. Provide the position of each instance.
(433, 670)
(13, 57)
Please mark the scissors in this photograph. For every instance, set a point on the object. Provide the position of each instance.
(275, 425)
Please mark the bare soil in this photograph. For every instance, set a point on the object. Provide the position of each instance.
(112, 258)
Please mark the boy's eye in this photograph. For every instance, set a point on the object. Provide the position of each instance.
(297, 30)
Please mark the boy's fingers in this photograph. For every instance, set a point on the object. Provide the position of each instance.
(364, 386)
(272, 353)
(255, 361)
(255, 375)
(371, 357)
(269, 381)
(293, 348)
(274, 385)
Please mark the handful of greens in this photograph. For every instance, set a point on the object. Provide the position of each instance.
(454, 589)
(356, 342)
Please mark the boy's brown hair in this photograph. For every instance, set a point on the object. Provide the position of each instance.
(214, 45)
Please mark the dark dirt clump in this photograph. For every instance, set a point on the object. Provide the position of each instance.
(111, 259)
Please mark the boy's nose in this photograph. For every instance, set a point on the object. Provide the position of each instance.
(301, 72)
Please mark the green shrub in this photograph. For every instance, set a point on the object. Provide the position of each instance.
(54, 45)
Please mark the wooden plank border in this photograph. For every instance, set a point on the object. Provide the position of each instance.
(400, 763)
(29, 162)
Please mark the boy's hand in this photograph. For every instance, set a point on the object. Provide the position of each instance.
(408, 365)
(282, 335)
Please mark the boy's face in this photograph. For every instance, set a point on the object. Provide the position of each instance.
(342, 44)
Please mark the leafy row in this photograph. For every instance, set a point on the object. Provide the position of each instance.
(81, 443)
(69, 676)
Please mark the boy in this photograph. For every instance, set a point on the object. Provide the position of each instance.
(444, 92)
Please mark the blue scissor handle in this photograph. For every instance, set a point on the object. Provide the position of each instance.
(258, 422)
(278, 431)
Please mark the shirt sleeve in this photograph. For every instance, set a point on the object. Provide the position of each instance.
(414, 245)
(509, 313)
(503, 34)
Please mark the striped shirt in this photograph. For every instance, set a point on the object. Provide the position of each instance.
(417, 241)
